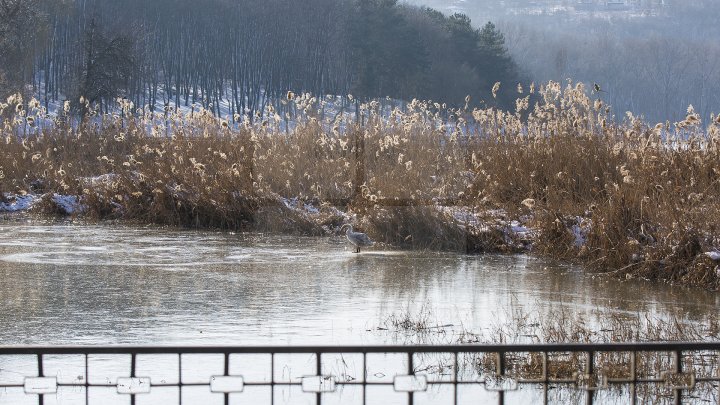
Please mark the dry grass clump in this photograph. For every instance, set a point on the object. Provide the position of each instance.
(418, 227)
(624, 197)
(555, 325)
(192, 171)
(563, 326)
(272, 215)
(648, 196)
(409, 321)
(427, 227)
(559, 325)
(309, 162)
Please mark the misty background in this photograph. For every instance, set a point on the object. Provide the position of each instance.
(651, 57)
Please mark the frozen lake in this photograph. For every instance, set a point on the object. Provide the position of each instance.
(116, 285)
(101, 285)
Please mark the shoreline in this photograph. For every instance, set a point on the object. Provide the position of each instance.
(563, 178)
(459, 228)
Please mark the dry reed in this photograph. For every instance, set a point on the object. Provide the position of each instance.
(621, 196)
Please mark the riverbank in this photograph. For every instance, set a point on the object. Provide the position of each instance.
(561, 179)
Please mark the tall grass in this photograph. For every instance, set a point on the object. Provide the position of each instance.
(522, 325)
(621, 195)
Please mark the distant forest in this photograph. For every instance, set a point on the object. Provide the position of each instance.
(246, 54)
(651, 57)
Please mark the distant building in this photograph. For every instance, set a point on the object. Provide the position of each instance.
(617, 5)
(589, 6)
(646, 3)
(586, 5)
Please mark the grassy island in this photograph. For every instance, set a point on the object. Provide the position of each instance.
(559, 176)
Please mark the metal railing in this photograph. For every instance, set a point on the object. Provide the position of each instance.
(586, 369)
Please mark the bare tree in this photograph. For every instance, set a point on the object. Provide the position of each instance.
(22, 32)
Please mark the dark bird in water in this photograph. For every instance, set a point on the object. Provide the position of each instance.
(358, 239)
(597, 88)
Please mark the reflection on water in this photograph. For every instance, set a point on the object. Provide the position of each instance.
(107, 285)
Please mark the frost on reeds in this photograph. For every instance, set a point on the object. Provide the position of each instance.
(528, 324)
(619, 194)
(524, 325)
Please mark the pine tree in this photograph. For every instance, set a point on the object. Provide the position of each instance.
(386, 51)
(495, 64)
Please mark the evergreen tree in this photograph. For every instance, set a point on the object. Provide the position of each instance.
(386, 51)
(464, 38)
(496, 65)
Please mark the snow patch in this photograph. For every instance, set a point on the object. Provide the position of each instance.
(295, 204)
(519, 229)
(578, 234)
(311, 209)
(68, 203)
(463, 216)
(580, 230)
(18, 202)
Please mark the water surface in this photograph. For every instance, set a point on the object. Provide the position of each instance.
(78, 284)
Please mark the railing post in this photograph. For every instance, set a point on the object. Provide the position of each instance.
(455, 379)
(132, 374)
(678, 370)
(180, 381)
(41, 398)
(364, 381)
(589, 371)
(546, 380)
(500, 371)
(272, 378)
(633, 375)
(87, 379)
(411, 371)
(227, 373)
(318, 368)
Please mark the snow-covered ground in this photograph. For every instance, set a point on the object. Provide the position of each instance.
(67, 204)
(479, 10)
(16, 203)
(516, 232)
(333, 110)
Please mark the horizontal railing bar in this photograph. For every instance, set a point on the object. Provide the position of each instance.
(432, 383)
(491, 348)
(379, 383)
(707, 379)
